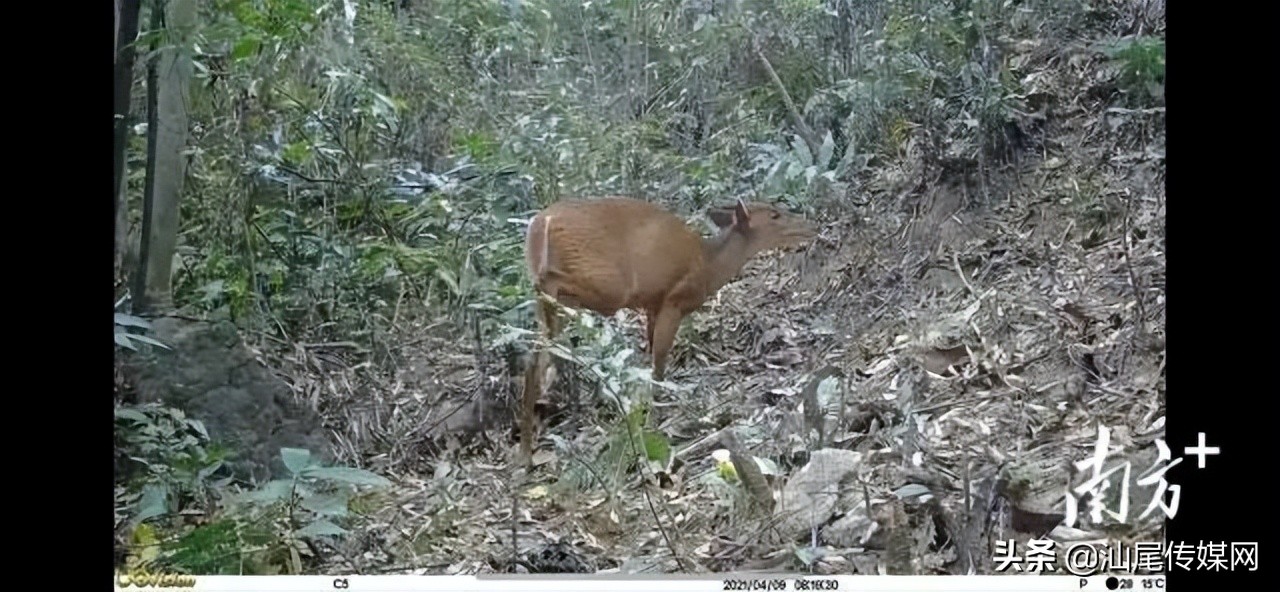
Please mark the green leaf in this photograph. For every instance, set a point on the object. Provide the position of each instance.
(801, 150)
(794, 169)
(122, 339)
(327, 505)
(245, 47)
(209, 470)
(824, 152)
(448, 278)
(656, 447)
(384, 100)
(636, 417)
(147, 38)
(807, 555)
(767, 466)
(850, 152)
(271, 491)
(144, 339)
(911, 490)
(198, 427)
(295, 459)
(828, 391)
(347, 475)
(154, 502)
(321, 528)
(132, 321)
(131, 414)
(297, 152)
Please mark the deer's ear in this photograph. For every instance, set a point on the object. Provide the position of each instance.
(742, 217)
(722, 217)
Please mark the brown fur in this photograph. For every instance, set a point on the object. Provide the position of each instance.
(608, 254)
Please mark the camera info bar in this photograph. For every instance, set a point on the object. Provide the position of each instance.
(633, 583)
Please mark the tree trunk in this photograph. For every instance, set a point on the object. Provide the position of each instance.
(126, 33)
(168, 79)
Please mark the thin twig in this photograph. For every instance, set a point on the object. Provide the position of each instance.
(1133, 277)
(955, 259)
(802, 128)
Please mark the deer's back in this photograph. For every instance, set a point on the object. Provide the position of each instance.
(629, 252)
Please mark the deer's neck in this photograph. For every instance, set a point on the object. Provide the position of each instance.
(725, 255)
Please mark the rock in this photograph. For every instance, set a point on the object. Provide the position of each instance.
(809, 499)
(212, 376)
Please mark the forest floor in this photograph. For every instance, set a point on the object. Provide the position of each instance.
(971, 320)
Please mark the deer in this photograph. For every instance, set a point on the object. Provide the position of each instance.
(615, 253)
